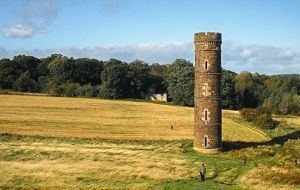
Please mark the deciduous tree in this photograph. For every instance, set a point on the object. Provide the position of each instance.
(181, 82)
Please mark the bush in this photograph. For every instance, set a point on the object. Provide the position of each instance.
(70, 89)
(265, 121)
(290, 151)
(260, 117)
(51, 88)
(86, 91)
(248, 114)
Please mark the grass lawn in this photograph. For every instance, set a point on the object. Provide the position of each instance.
(106, 119)
(76, 143)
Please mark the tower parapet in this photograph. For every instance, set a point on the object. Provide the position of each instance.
(207, 37)
(210, 41)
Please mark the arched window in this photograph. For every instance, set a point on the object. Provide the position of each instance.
(206, 92)
(205, 116)
(206, 64)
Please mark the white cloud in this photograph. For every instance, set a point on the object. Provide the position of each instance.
(18, 31)
(236, 57)
(35, 16)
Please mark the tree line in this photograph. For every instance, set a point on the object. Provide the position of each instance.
(59, 75)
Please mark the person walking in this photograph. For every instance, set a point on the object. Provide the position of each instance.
(202, 173)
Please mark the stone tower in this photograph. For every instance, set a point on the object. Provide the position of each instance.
(208, 115)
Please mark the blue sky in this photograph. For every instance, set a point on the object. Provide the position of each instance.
(258, 35)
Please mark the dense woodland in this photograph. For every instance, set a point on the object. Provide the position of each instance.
(59, 75)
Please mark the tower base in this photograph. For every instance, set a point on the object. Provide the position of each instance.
(208, 150)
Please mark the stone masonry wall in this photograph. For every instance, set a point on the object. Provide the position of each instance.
(208, 115)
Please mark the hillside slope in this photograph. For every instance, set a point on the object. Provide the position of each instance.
(106, 119)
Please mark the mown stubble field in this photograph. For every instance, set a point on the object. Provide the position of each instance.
(76, 143)
(106, 119)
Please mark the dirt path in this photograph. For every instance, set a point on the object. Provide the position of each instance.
(262, 134)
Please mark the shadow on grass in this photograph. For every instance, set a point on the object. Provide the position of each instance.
(236, 145)
(195, 184)
(186, 144)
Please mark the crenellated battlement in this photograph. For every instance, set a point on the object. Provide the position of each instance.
(207, 37)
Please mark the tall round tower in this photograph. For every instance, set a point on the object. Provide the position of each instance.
(208, 114)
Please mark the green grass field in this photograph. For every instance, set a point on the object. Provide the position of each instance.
(76, 143)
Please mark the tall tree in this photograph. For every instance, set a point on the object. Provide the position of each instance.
(88, 71)
(28, 63)
(43, 66)
(25, 84)
(8, 73)
(248, 87)
(62, 69)
(138, 74)
(228, 94)
(181, 82)
(115, 81)
(158, 78)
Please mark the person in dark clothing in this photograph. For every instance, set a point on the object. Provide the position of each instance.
(202, 173)
(172, 127)
(245, 160)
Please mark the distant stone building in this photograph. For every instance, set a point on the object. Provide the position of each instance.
(208, 115)
(159, 97)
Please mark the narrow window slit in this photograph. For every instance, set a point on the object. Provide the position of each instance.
(205, 141)
(206, 64)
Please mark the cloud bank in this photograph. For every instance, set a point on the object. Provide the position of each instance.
(263, 59)
(36, 16)
(236, 57)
